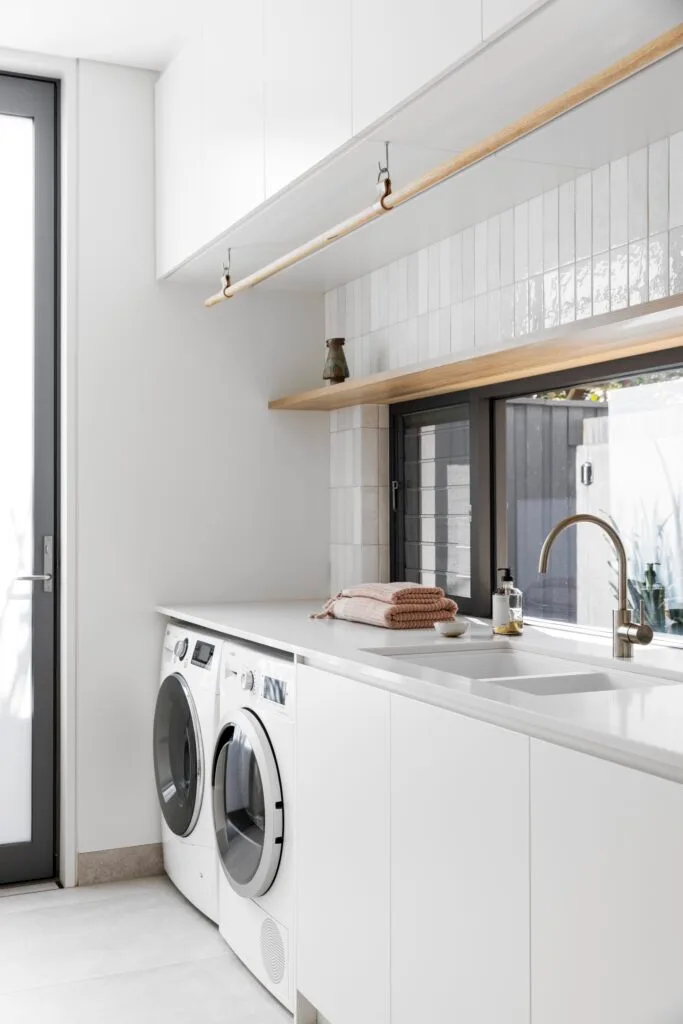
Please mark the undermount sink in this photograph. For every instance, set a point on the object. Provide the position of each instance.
(538, 674)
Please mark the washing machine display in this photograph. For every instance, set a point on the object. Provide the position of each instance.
(247, 805)
(177, 755)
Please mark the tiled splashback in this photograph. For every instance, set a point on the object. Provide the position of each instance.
(610, 238)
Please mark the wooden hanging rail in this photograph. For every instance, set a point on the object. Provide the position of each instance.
(646, 55)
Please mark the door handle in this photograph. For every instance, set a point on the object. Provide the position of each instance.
(44, 577)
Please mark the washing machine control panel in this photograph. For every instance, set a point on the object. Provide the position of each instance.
(274, 689)
(202, 655)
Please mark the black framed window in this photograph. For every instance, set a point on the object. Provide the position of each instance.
(603, 439)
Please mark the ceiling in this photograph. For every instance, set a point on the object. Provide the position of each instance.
(143, 33)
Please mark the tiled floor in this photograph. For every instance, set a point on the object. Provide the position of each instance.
(128, 952)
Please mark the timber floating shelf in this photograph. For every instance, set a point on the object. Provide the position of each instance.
(620, 340)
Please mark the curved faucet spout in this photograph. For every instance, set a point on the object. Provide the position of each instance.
(586, 517)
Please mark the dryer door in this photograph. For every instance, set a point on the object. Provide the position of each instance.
(247, 805)
(178, 766)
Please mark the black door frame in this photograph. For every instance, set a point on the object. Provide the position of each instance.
(38, 99)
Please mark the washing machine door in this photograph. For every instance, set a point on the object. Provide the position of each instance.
(178, 766)
(247, 805)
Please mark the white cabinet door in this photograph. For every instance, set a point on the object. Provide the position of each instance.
(398, 46)
(606, 892)
(459, 868)
(342, 847)
(307, 86)
(232, 110)
(499, 13)
(179, 218)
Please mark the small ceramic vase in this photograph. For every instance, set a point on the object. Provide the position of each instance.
(336, 368)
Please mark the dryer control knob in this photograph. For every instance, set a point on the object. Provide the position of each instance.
(247, 680)
(181, 648)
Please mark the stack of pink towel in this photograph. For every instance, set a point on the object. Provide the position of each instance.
(392, 605)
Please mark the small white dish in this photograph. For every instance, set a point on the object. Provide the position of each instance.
(456, 627)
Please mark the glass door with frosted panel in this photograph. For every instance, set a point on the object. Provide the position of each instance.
(441, 513)
(27, 473)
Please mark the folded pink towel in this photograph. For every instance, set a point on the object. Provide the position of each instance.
(390, 616)
(395, 593)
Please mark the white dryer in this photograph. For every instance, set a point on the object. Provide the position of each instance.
(184, 732)
(252, 782)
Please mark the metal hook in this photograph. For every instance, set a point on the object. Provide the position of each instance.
(226, 275)
(384, 178)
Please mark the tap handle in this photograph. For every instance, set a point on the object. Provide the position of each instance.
(642, 612)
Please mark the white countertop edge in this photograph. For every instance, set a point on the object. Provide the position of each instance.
(402, 679)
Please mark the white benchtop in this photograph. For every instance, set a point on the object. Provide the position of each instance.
(641, 728)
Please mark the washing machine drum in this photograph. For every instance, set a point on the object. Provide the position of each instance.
(248, 810)
(177, 755)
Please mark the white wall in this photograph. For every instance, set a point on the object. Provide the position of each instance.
(188, 488)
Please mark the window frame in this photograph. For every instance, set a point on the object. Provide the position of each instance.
(488, 465)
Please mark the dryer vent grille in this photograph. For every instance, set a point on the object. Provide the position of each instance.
(272, 951)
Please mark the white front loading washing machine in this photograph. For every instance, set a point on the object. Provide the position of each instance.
(252, 781)
(184, 732)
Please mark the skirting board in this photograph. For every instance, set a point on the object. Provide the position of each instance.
(121, 864)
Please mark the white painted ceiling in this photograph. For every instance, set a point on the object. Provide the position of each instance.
(143, 33)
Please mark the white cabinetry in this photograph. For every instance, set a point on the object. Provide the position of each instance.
(307, 85)
(607, 892)
(459, 868)
(233, 149)
(398, 46)
(179, 208)
(342, 821)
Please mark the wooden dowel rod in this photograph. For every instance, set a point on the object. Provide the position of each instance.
(646, 55)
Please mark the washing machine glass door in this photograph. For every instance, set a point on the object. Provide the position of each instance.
(247, 805)
(177, 755)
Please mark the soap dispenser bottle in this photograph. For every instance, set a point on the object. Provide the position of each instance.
(507, 606)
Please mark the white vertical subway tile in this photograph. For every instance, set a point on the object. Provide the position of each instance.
(584, 216)
(584, 289)
(676, 180)
(494, 327)
(456, 326)
(382, 416)
(658, 266)
(521, 232)
(402, 343)
(551, 228)
(521, 308)
(346, 419)
(445, 272)
(567, 223)
(363, 416)
(380, 340)
(444, 330)
(369, 563)
(350, 350)
(507, 248)
(600, 209)
(618, 202)
(384, 571)
(392, 297)
(365, 517)
(468, 324)
(468, 263)
(601, 284)
(433, 330)
(413, 283)
(330, 316)
(536, 236)
(402, 290)
(383, 515)
(492, 253)
(619, 277)
(676, 261)
(637, 272)
(536, 303)
(551, 298)
(480, 258)
(507, 312)
(349, 315)
(393, 335)
(357, 307)
(361, 355)
(334, 421)
(365, 304)
(412, 347)
(433, 278)
(423, 336)
(365, 457)
(422, 281)
(340, 323)
(567, 294)
(456, 268)
(384, 296)
(375, 322)
(481, 320)
(637, 195)
(658, 186)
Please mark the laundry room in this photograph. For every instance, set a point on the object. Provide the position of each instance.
(342, 402)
